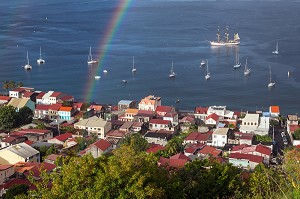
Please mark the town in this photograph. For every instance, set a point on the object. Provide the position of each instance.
(61, 126)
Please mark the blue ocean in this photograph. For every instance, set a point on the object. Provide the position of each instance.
(156, 33)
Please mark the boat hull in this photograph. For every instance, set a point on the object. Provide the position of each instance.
(92, 62)
(215, 43)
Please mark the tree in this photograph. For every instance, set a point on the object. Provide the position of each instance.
(8, 117)
(136, 142)
(41, 126)
(6, 85)
(25, 115)
(16, 190)
(20, 84)
(175, 146)
(296, 134)
(12, 84)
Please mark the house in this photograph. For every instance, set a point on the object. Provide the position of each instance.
(176, 161)
(66, 113)
(52, 158)
(161, 111)
(157, 124)
(65, 98)
(77, 106)
(196, 137)
(46, 97)
(221, 111)
(98, 148)
(19, 152)
(123, 105)
(201, 112)
(186, 122)
(243, 138)
(212, 120)
(19, 103)
(126, 127)
(60, 139)
(18, 92)
(41, 111)
(157, 137)
(70, 142)
(274, 111)
(53, 111)
(259, 150)
(95, 107)
(55, 96)
(219, 137)
(12, 140)
(129, 115)
(39, 97)
(208, 151)
(245, 160)
(292, 123)
(172, 117)
(4, 100)
(137, 127)
(149, 103)
(144, 116)
(6, 171)
(249, 123)
(116, 134)
(94, 125)
(33, 169)
(30, 95)
(34, 135)
(193, 149)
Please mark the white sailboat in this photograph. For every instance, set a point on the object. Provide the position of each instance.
(40, 60)
(202, 63)
(247, 70)
(133, 67)
(207, 76)
(97, 77)
(219, 42)
(271, 84)
(276, 52)
(172, 74)
(27, 66)
(237, 61)
(90, 58)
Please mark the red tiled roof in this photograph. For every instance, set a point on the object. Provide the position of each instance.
(294, 127)
(274, 109)
(145, 112)
(36, 168)
(39, 131)
(15, 181)
(180, 156)
(53, 157)
(9, 139)
(170, 114)
(40, 95)
(116, 134)
(198, 136)
(213, 116)
(19, 89)
(193, 148)
(95, 107)
(4, 167)
(154, 148)
(6, 98)
(165, 109)
(188, 119)
(245, 136)
(175, 163)
(77, 105)
(42, 107)
(201, 110)
(67, 97)
(239, 147)
(263, 149)
(210, 150)
(250, 157)
(28, 142)
(63, 137)
(65, 108)
(102, 144)
(158, 121)
(55, 94)
(55, 107)
(27, 94)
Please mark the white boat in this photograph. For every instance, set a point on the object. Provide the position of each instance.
(289, 74)
(271, 84)
(104, 71)
(276, 52)
(207, 76)
(219, 42)
(90, 58)
(247, 70)
(97, 77)
(124, 81)
(237, 61)
(202, 63)
(27, 66)
(40, 60)
(133, 67)
(172, 74)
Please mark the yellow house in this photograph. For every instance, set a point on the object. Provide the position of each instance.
(21, 152)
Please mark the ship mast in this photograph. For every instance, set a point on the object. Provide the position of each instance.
(218, 35)
(227, 35)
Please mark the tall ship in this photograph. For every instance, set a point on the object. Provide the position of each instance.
(220, 42)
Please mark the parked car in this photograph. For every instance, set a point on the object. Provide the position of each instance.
(282, 134)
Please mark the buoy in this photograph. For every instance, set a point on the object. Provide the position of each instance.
(288, 73)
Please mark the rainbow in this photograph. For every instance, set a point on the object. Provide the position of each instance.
(111, 29)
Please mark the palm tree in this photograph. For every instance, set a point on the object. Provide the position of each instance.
(12, 84)
(6, 85)
(20, 84)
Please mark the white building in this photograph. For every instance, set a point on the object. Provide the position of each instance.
(220, 111)
(249, 123)
(46, 97)
(150, 103)
(219, 137)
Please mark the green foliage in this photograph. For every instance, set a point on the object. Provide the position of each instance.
(175, 146)
(40, 126)
(263, 138)
(136, 142)
(16, 190)
(8, 117)
(25, 115)
(296, 134)
(67, 129)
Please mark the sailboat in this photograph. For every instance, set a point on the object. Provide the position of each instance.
(202, 63)
(133, 68)
(207, 76)
(219, 42)
(247, 70)
(40, 60)
(276, 52)
(172, 74)
(27, 66)
(90, 58)
(237, 61)
(271, 84)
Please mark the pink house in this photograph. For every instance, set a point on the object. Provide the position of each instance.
(98, 148)
(176, 161)
(212, 119)
(61, 139)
